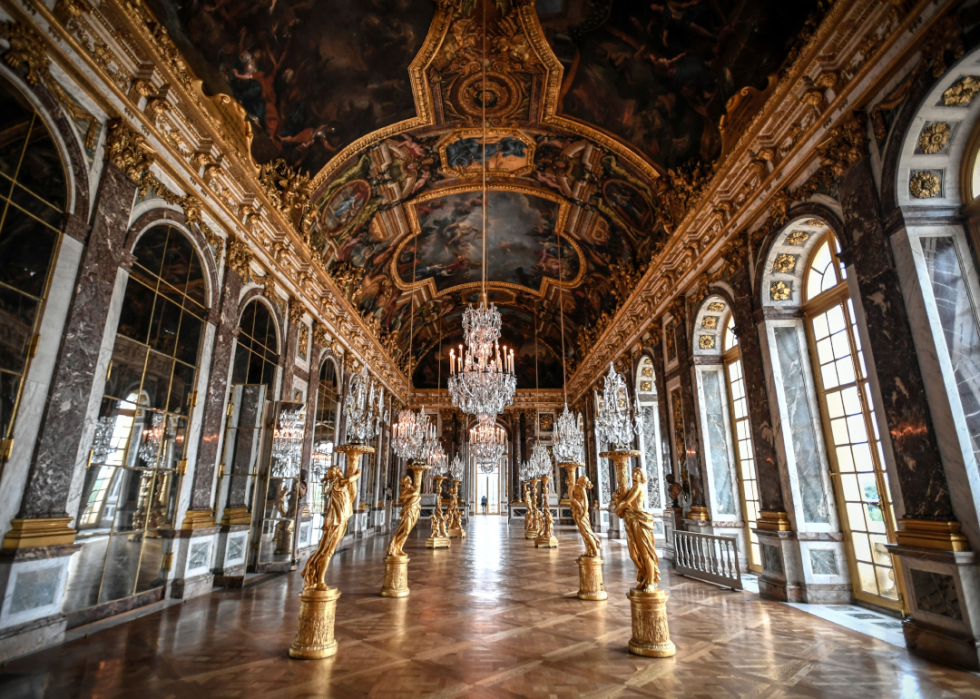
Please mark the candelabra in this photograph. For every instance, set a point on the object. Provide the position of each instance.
(651, 636)
(408, 434)
(287, 443)
(569, 438)
(364, 407)
(150, 444)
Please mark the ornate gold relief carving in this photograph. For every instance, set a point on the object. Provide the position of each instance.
(925, 185)
(797, 238)
(646, 386)
(962, 92)
(296, 311)
(784, 263)
(320, 336)
(716, 306)
(709, 322)
(647, 371)
(934, 137)
(239, 256)
(706, 342)
(290, 193)
(128, 150)
(780, 291)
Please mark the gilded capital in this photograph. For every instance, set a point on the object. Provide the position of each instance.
(128, 149)
(239, 256)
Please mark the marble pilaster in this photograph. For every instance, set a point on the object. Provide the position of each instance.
(217, 392)
(918, 464)
(59, 449)
(686, 363)
(660, 377)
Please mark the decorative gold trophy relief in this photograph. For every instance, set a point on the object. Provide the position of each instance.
(934, 137)
(925, 185)
(797, 238)
(784, 263)
(780, 291)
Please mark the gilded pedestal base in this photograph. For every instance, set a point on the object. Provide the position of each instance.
(530, 534)
(651, 637)
(437, 542)
(590, 582)
(457, 533)
(545, 542)
(317, 612)
(396, 577)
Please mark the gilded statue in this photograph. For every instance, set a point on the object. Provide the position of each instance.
(639, 531)
(579, 497)
(340, 506)
(411, 504)
(529, 504)
(453, 511)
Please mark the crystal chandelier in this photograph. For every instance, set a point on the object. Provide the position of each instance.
(569, 440)
(364, 407)
(287, 443)
(614, 419)
(321, 460)
(408, 434)
(150, 445)
(487, 441)
(102, 447)
(540, 463)
(431, 448)
(456, 468)
(481, 378)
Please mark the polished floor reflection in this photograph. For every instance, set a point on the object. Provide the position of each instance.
(493, 617)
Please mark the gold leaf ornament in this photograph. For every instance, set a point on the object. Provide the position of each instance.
(924, 185)
(934, 137)
(784, 263)
(962, 92)
(780, 291)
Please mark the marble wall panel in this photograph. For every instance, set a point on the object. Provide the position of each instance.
(801, 426)
(667, 459)
(716, 435)
(63, 424)
(34, 590)
(691, 445)
(649, 417)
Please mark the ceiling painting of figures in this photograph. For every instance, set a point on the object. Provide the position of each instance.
(523, 238)
(659, 74)
(313, 76)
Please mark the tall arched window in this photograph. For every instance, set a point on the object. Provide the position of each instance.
(648, 419)
(257, 355)
(747, 479)
(850, 427)
(33, 195)
(137, 457)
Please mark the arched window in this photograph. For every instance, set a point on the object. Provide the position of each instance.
(850, 427)
(257, 355)
(648, 423)
(33, 195)
(747, 478)
(324, 438)
(138, 452)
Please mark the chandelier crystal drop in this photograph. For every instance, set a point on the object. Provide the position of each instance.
(569, 440)
(364, 408)
(151, 440)
(431, 447)
(408, 434)
(614, 416)
(487, 442)
(287, 443)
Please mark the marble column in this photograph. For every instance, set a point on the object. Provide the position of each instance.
(686, 363)
(754, 379)
(60, 450)
(918, 464)
(200, 513)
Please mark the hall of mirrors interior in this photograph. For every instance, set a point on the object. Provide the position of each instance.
(503, 347)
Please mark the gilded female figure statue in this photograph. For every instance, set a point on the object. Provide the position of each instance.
(340, 507)
(639, 531)
(529, 519)
(411, 504)
(580, 512)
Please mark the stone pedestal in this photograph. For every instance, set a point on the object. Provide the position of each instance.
(651, 636)
(396, 577)
(317, 613)
(192, 572)
(788, 572)
(590, 585)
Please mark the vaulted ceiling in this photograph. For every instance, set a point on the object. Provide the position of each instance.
(589, 103)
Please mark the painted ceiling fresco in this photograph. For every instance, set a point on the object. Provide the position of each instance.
(658, 75)
(587, 102)
(312, 75)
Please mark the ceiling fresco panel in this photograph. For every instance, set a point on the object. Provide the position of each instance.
(313, 76)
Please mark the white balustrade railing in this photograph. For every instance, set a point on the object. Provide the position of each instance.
(706, 557)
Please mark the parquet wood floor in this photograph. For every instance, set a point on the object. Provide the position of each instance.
(493, 617)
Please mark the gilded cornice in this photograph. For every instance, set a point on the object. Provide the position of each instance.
(851, 57)
(194, 149)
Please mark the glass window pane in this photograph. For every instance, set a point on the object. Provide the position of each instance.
(26, 247)
(137, 311)
(150, 249)
(41, 170)
(17, 315)
(165, 325)
(156, 384)
(189, 339)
